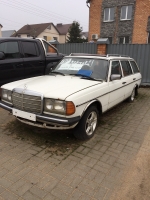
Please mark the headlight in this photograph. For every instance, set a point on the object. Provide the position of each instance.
(6, 95)
(59, 107)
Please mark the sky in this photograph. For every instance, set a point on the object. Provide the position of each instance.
(16, 13)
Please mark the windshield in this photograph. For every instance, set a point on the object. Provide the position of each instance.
(94, 68)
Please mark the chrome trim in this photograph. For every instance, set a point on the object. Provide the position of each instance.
(6, 107)
(24, 91)
(60, 120)
(44, 125)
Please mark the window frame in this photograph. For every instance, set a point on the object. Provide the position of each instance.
(136, 66)
(130, 68)
(127, 8)
(35, 46)
(19, 53)
(109, 14)
(148, 38)
(124, 39)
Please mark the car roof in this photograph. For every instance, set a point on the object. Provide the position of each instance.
(16, 38)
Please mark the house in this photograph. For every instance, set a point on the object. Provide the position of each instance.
(63, 30)
(8, 33)
(119, 20)
(0, 30)
(84, 35)
(48, 31)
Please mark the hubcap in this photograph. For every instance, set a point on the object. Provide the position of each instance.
(133, 95)
(91, 123)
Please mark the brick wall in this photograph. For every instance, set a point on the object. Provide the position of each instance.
(95, 17)
(102, 49)
(142, 12)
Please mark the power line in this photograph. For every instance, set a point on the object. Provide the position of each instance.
(27, 9)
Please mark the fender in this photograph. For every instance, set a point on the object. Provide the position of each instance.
(90, 103)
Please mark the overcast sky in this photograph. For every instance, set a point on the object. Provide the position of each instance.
(16, 13)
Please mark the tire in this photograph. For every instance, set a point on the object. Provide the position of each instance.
(132, 97)
(87, 125)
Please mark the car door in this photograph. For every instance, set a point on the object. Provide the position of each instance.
(11, 68)
(34, 60)
(128, 77)
(116, 90)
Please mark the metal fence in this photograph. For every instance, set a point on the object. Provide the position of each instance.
(77, 48)
(141, 54)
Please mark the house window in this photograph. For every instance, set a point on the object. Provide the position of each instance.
(148, 40)
(109, 14)
(18, 35)
(28, 35)
(126, 12)
(55, 38)
(45, 38)
(124, 40)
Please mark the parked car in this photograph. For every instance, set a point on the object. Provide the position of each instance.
(25, 57)
(74, 94)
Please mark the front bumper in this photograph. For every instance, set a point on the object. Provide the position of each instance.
(46, 121)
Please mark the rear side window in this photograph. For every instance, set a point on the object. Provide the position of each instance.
(30, 49)
(115, 68)
(10, 49)
(126, 68)
(134, 67)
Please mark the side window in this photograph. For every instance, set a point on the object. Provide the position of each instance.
(49, 48)
(126, 68)
(115, 68)
(30, 49)
(109, 14)
(10, 49)
(134, 67)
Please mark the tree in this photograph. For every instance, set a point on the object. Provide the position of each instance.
(75, 33)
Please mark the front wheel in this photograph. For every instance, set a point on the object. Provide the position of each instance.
(87, 125)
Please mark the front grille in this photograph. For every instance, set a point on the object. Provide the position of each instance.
(27, 102)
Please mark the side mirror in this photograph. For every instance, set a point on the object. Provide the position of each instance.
(2, 55)
(115, 77)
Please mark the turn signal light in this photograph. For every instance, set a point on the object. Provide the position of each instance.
(70, 108)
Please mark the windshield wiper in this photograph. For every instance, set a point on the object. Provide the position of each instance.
(86, 77)
(55, 72)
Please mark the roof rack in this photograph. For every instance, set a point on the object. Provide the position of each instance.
(117, 55)
(86, 54)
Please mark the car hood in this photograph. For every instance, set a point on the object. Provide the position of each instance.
(57, 87)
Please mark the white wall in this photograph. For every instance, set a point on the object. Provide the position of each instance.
(50, 33)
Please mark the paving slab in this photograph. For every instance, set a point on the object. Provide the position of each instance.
(53, 165)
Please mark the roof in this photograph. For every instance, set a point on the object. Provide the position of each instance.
(15, 39)
(103, 41)
(33, 29)
(63, 28)
(8, 33)
(85, 34)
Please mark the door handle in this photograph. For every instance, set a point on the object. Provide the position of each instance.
(124, 82)
(41, 62)
(134, 79)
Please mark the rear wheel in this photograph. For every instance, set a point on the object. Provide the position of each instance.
(132, 97)
(87, 125)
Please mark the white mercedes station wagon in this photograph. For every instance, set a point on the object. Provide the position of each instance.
(74, 94)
